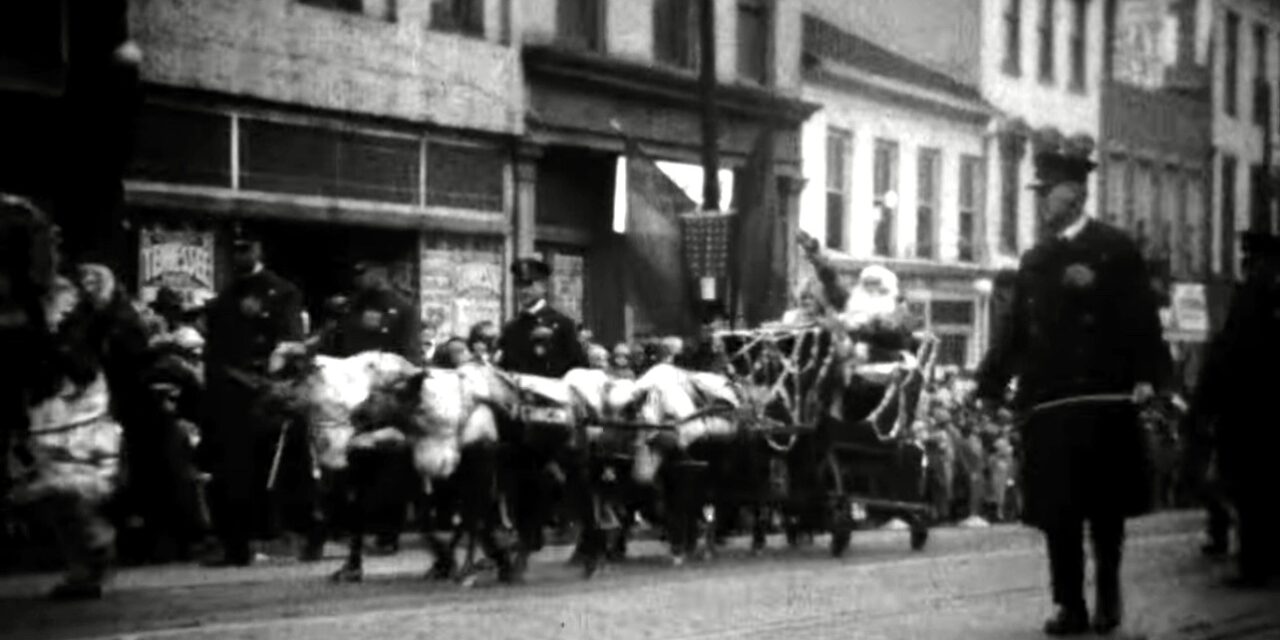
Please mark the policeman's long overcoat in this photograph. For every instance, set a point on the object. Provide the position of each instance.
(1083, 320)
(380, 321)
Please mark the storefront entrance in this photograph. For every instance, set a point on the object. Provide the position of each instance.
(319, 259)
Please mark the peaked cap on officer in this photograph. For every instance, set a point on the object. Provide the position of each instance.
(530, 270)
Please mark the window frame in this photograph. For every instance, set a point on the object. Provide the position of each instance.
(1012, 64)
(666, 13)
(972, 209)
(761, 8)
(926, 248)
(1010, 201)
(595, 40)
(886, 222)
(1260, 110)
(1079, 45)
(836, 236)
(1227, 200)
(471, 25)
(1045, 53)
(1231, 72)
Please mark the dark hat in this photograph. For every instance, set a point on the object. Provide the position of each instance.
(167, 299)
(244, 239)
(1260, 243)
(1053, 168)
(530, 270)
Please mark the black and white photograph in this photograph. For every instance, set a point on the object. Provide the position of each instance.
(633, 319)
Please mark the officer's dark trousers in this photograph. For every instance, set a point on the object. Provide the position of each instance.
(1066, 559)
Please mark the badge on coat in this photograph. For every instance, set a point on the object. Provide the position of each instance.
(371, 319)
(251, 306)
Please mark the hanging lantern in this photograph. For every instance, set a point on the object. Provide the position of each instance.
(706, 243)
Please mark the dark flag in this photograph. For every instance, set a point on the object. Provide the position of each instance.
(757, 257)
(657, 279)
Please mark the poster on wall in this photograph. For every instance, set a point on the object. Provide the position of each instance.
(180, 259)
(567, 284)
(461, 284)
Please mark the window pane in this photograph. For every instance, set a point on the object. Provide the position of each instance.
(954, 312)
(287, 158)
(927, 205)
(1013, 37)
(374, 168)
(1232, 81)
(968, 238)
(675, 32)
(886, 170)
(464, 177)
(1046, 29)
(173, 145)
(1009, 202)
(835, 220)
(579, 23)
(752, 42)
(462, 16)
(1228, 200)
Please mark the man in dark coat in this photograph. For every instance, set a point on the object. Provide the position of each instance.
(255, 313)
(1235, 396)
(379, 319)
(544, 342)
(540, 340)
(1083, 322)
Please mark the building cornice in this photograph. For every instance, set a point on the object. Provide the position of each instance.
(873, 87)
(646, 82)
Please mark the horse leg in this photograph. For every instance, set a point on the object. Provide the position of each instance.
(353, 569)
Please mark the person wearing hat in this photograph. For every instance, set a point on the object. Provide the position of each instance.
(248, 319)
(1083, 341)
(376, 318)
(1229, 410)
(539, 340)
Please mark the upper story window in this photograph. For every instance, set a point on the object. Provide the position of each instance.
(928, 166)
(886, 196)
(1079, 38)
(970, 207)
(458, 16)
(753, 40)
(580, 24)
(676, 32)
(382, 9)
(1231, 81)
(1013, 37)
(1045, 28)
(839, 149)
(1261, 97)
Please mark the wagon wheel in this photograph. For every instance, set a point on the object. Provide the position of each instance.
(831, 483)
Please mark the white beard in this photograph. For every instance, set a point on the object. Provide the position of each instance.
(863, 306)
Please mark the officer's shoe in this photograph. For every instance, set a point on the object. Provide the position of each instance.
(1068, 621)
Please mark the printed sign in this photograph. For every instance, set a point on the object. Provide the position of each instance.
(1146, 42)
(1190, 308)
(182, 260)
(461, 284)
(566, 284)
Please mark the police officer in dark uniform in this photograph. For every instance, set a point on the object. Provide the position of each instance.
(1232, 404)
(255, 313)
(544, 342)
(540, 340)
(1083, 322)
(379, 319)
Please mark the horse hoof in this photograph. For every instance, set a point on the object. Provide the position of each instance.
(439, 572)
(347, 574)
(468, 582)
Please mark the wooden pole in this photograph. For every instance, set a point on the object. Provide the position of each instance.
(710, 116)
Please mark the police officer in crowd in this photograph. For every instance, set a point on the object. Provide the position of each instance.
(1083, 322)
(540, 340)
(376, 318)
(1232, 406)
(250, 317)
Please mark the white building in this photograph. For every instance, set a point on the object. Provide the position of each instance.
(894, 169)
(1245, 39)
(1037, 62)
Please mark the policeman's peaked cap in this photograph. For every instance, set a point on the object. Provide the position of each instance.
(530, 270)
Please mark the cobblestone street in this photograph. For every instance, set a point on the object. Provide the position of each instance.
(985, 583)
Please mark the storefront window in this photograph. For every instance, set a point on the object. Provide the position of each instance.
(464, 177)
(181, 146)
